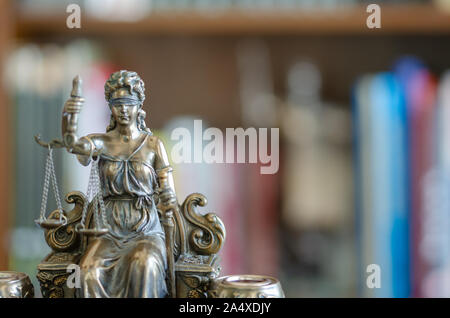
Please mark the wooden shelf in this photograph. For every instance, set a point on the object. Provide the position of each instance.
(395, 19)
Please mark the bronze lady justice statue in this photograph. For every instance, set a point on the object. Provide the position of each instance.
(132, 255)
(130, 260)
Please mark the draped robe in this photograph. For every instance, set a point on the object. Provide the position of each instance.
(129, 261)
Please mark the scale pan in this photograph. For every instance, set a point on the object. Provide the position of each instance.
(93, 232)
(50, 223)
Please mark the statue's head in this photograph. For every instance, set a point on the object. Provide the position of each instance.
(124, 92)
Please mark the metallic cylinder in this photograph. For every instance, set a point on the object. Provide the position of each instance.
(247, 286)
(15, 285)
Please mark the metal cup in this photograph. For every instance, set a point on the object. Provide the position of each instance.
(15, 285)
(247, 286)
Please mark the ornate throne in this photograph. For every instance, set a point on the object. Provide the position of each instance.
(194, 242)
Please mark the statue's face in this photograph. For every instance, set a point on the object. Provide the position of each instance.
(124, 108)
(125, 114)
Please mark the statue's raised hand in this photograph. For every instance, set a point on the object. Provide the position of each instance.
(75, 103)
(72, 108)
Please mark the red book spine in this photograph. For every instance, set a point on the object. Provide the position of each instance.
(421, 94)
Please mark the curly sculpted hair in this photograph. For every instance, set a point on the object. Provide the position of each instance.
(125, 79)
(135, 85)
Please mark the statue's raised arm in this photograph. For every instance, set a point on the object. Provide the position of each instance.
(85, 147)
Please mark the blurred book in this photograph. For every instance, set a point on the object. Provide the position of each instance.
(316, 188)
(362, 178)
(382, 173)
(433, 239)
(419, 90)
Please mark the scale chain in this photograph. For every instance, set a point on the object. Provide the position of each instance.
(55, 185)
(94, 189)
(46, 186)
(99, 193)
(88, 195)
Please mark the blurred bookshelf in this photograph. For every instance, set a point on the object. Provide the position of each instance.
(316, 31)
(396, 19)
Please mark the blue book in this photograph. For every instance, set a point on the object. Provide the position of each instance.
(390, 185)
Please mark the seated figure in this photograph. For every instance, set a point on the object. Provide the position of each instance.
(130, 260)
(133, 258)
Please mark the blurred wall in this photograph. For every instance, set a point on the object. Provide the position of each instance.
(5, 140)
